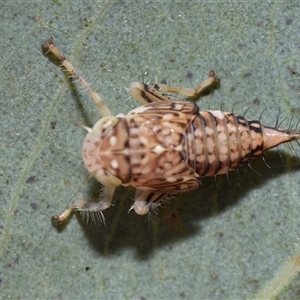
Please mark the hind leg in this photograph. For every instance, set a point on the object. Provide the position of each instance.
(145, 93)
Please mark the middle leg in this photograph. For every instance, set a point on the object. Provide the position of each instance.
(145, 202)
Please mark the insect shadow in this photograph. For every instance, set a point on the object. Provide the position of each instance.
(181, 218)
(178, 221)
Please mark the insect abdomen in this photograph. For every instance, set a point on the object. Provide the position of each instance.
(219, 142)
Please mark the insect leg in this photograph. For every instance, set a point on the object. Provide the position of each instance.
(145, 202)
(213, 78)
(145, 93)
(86, 206)
(104, 111)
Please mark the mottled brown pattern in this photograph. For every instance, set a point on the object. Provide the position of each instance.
(156, 140)
(168, 146)
(220, 141)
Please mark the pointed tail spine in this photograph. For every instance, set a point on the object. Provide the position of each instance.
(274, 137)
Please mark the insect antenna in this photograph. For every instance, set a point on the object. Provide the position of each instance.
(88, 129)
(42, 240)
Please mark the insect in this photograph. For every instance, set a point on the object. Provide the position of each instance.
(166, 146)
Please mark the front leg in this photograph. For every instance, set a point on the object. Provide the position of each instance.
(103, 109)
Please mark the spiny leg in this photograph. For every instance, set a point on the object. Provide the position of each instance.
(104, 111)
(188, 92)
(145, 202)
(145, 93)
(85, 206)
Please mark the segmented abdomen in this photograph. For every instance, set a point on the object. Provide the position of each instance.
(218, 142)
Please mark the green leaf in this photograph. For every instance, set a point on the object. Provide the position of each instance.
(237, 240)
